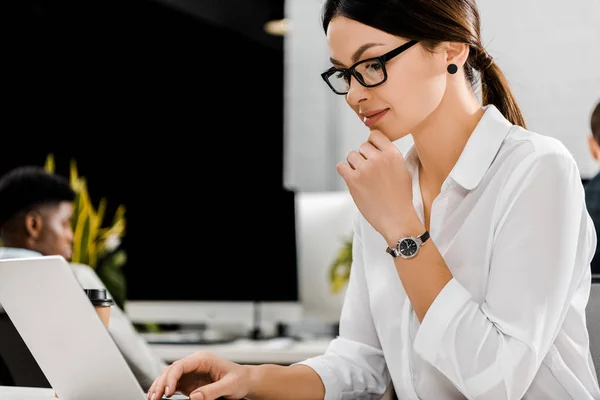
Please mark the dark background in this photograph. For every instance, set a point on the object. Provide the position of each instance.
(174, 110)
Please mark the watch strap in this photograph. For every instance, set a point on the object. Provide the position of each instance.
(393, 251)
(424, 237)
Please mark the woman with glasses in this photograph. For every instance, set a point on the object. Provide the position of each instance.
(471, 252)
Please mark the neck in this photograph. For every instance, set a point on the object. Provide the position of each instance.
(14, 241)
(441, 138)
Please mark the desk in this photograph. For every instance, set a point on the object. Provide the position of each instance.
(22, 393)
(246, 351)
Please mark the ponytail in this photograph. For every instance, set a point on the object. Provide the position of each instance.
(495, 88)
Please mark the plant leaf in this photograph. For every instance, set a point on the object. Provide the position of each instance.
(339, 271)
(49, 165)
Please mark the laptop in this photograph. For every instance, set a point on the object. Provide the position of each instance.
(63, 332)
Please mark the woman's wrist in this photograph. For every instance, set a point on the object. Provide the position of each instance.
(253, 374)
(410, 225)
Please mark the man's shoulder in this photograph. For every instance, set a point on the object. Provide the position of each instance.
(87, 276)
(592, 187)
(593, 183)
(592, 196)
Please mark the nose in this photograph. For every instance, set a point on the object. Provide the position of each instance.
(356, 92)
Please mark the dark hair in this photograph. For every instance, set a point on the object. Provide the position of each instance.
(595, 123)
(26, 187)
(432, 22)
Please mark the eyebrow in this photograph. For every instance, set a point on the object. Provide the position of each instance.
(358, 53)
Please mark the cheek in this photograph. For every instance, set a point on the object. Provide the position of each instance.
(56, 233)
(415, 94)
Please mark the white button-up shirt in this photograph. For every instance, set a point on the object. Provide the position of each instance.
(512, 225)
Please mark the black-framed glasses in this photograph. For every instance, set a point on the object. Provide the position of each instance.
(369, 73)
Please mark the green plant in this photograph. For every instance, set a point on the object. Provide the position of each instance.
(339, 271)
(95, 244)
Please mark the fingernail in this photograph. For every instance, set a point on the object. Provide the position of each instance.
(167, 391)
(152, 397)
(197, 395)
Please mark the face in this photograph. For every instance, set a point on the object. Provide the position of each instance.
(55, 235)
(415, 85)
(594, 148)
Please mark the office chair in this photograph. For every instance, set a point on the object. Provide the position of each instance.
(593, 321)
(17, 365)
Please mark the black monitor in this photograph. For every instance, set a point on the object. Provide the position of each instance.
(217, 261)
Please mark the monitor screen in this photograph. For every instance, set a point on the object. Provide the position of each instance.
(232, 251)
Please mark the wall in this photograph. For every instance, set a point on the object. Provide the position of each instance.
(547, 54)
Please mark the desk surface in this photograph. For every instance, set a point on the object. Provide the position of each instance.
(23, 393)
(246, 351)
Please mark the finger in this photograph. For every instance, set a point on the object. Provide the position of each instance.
(213, 391)
(198, 363)
(355, 160)
(167, 382)
(343, 169)
(367, 150)
(378, 139)
(158, 382)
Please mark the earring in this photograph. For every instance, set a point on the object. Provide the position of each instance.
(452, 69)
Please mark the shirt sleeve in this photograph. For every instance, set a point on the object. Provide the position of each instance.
(353, 367)
(541, 248)
(144, 363)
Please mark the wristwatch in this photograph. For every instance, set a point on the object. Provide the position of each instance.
(408, 247)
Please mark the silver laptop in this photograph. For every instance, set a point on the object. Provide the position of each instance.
(63, 332)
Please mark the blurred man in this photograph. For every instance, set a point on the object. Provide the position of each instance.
(36, 209)
(592, 187)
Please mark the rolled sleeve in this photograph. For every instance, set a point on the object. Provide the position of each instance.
(443, 310)
(322, 368)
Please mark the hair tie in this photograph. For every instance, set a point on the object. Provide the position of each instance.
(486, 61)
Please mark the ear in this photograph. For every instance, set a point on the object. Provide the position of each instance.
(456, 53)
(33, 224)
(594, 147)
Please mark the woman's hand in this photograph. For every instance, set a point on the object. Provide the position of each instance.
(380, 184)
(202, 376)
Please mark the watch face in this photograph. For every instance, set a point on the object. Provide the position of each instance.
(408, 247)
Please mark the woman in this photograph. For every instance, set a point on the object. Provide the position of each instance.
(471, 255)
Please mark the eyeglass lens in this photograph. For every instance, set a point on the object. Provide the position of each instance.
(368, 73)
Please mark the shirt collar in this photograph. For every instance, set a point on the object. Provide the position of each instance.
(479, 152)
(14, 252)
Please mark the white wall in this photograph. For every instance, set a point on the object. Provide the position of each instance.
(550, 52)
(324, 222)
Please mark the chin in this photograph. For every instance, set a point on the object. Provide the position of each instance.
(394, 135)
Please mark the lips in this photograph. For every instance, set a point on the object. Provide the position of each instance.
(371, 117)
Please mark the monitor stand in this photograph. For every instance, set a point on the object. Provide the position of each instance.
(257, 333)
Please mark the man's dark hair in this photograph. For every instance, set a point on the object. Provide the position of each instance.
(595, 123)
(26, 187)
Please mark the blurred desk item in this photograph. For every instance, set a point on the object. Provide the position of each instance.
(283, 350)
